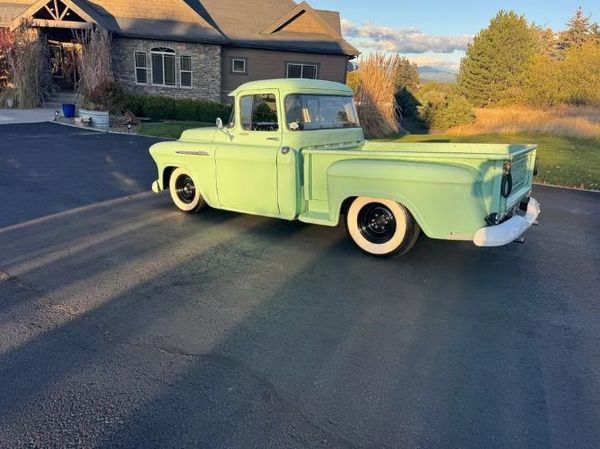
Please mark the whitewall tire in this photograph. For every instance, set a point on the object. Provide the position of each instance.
(381, 227)
(184, 191)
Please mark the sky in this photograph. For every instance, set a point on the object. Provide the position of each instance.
(436, 32)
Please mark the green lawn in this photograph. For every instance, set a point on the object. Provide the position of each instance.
(565, 161)
(169, 129)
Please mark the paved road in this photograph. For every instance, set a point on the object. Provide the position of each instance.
(127, 324)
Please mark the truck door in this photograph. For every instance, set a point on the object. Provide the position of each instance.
(246, 166)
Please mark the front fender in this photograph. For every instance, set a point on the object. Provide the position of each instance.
(445, 199)
(197, 158)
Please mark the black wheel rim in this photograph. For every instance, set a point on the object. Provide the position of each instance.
(376, 223)
(186, 191)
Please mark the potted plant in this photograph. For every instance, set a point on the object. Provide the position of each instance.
(99, 102)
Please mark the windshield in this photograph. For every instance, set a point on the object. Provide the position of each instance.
(309, 112)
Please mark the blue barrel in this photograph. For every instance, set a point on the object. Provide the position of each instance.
(68, 110)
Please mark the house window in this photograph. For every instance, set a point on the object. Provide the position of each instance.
(141, 67)
(186, 71)
(308, 71)
(163, 67)
(259, 112)
(238, 65)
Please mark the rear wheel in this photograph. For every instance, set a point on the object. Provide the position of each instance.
(184, 192)
(381, 227)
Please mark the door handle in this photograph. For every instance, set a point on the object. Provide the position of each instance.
(274, 139)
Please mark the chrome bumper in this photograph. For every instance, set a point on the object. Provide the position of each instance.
(510, 230)
(156, 187)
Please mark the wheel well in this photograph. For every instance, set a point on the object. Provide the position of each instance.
(167, 176)
(346, 205)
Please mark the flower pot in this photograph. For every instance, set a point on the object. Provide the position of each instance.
(68, 110)
(97, 119)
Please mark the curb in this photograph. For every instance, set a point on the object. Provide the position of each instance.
(554, 186)
(109, 131)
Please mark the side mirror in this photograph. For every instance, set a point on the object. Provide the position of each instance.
(219, 123)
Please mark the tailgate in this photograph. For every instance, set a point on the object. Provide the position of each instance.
(522, 166)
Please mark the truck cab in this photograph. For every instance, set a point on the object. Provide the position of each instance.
(294, 149)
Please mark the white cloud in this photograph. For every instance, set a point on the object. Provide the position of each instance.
(402, 40)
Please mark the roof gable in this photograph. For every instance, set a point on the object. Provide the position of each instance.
(302, 19)
(52, 12)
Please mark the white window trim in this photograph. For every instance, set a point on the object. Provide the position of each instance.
(186, 71)
(302, 65)
(163, 53)
(136, 67)
(233, 60)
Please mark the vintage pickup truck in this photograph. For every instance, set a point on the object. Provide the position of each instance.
(294, 149)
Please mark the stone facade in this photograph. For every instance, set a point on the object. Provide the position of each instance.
(206, 68)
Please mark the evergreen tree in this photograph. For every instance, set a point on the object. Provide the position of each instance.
(407, 74)
(579, 30)
(496, 62)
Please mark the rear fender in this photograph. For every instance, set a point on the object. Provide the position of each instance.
(446, 200)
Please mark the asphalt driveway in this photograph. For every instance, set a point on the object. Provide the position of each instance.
(124, 323)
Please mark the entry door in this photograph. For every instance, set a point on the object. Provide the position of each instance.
(247, 165)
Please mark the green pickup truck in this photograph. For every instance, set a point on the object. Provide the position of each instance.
(294, 149)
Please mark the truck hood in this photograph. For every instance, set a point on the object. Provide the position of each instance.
(199, 134)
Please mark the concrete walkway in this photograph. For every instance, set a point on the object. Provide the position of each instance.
(13, 116)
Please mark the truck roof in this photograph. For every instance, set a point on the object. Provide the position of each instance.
(295, 85)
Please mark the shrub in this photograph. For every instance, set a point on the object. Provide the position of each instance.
(167, 108)
(107, 95)
(443, 107)
(574, 79)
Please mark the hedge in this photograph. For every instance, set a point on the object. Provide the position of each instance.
(166, 108)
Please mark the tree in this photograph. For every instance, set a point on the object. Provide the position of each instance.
(547, 41)
(407, 74)
(496, 62)
(579, 30)
(573, 79)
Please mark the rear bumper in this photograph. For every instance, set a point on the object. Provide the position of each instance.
(510, 230)
(156, 187)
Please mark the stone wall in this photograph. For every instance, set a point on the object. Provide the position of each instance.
(206, 68)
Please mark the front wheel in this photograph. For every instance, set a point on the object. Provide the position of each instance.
(381, 227)
(184, 192)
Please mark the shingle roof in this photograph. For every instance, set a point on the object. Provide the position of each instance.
(240, 23)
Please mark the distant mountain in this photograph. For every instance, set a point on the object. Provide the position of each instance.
(429, 73)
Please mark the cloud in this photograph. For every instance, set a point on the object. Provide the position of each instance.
(402, 40)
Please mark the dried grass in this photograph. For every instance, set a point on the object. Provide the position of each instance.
(95, 64)
(567, 121)
(375, 99)
(27, 67)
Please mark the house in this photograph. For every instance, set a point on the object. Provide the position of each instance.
(195, 48)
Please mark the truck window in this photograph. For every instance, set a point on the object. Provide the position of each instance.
(310, 112)
(259, 112)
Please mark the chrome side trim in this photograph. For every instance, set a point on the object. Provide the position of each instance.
(194, 153)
